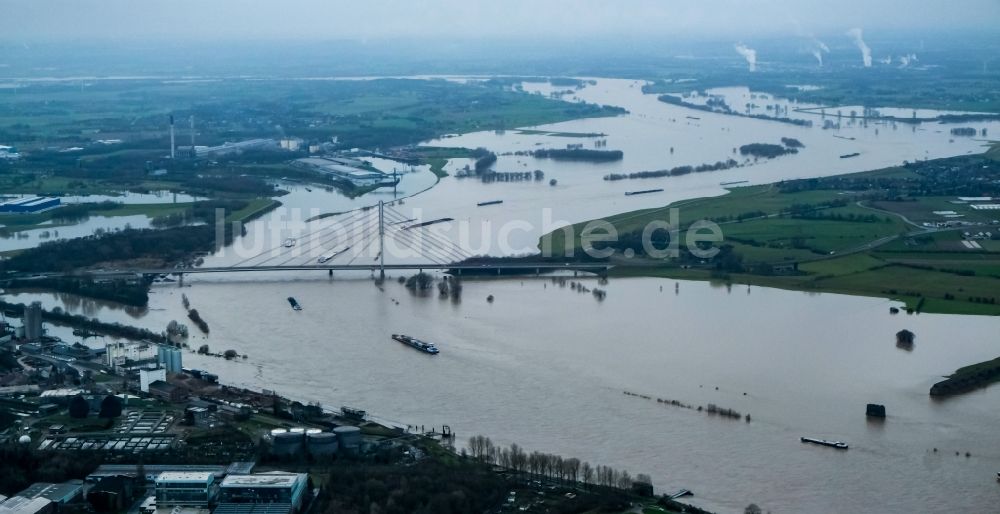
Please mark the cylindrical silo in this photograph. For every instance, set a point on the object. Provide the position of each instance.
(286, 443)
(175, 361)
(349, 438)
(321, 444)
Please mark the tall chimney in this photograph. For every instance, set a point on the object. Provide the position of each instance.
(172, 136)
(192, 133)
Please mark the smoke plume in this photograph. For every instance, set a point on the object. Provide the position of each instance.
(906, 60)
(749, 54)
(866, 53)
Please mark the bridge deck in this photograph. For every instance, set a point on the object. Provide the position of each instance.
(531, 266)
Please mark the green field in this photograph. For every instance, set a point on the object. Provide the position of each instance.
(839, 244)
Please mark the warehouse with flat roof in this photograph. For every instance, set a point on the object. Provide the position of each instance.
(28, 205)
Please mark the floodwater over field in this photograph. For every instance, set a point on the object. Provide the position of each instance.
(53, 231)
(546, 366)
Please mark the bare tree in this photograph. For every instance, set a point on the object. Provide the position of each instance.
(504, 458)
(588, 473)
(572, 466)
(624, 481)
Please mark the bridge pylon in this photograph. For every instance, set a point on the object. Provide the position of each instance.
(381, 240)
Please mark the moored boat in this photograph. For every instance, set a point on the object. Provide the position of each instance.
(350, 412)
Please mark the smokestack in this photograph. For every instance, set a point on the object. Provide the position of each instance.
(172, 147)
(749, 54)
(192, 132)
(866, 53)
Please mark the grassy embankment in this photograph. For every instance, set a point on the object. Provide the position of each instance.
(968, 378)
(845, 251)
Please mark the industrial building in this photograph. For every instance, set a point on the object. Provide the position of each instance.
(109, 443)
(122, 354)
(154, 470)
(237, 147)
(33, 321)
(185, 489)
(334, 168)
(274, 487)
(9, 152)
(62, 494)
(22, 505)
(167, 392)
(292, 144)
(28, 205)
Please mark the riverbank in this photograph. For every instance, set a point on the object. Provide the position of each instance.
(968, 378)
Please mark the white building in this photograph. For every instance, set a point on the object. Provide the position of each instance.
(291, 143)
(119, 353)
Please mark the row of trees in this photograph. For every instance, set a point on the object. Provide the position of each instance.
(579, 154)
(675, 171)
(115, 329)
(550, 466)
(169, 245)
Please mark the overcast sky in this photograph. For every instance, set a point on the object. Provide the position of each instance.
(36, 20)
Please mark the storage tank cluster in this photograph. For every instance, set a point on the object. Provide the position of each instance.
(169, 358)
(286, 442)
(293, 441)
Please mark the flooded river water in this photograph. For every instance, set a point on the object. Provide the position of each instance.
(546, 367)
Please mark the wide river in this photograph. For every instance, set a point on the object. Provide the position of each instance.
(546, 367)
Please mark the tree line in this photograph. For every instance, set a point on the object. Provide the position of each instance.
(551, 466)
(579, 154)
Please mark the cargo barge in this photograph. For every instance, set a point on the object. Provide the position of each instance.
(413, 342)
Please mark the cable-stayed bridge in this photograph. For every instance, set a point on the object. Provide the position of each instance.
(361, 240)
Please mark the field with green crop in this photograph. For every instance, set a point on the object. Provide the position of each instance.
(817, 237)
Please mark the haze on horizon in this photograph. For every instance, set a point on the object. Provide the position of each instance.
(69, 20)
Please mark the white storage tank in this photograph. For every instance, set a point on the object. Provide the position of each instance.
(349, 438)
(321, 444)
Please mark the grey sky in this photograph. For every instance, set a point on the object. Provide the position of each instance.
(373, 19)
